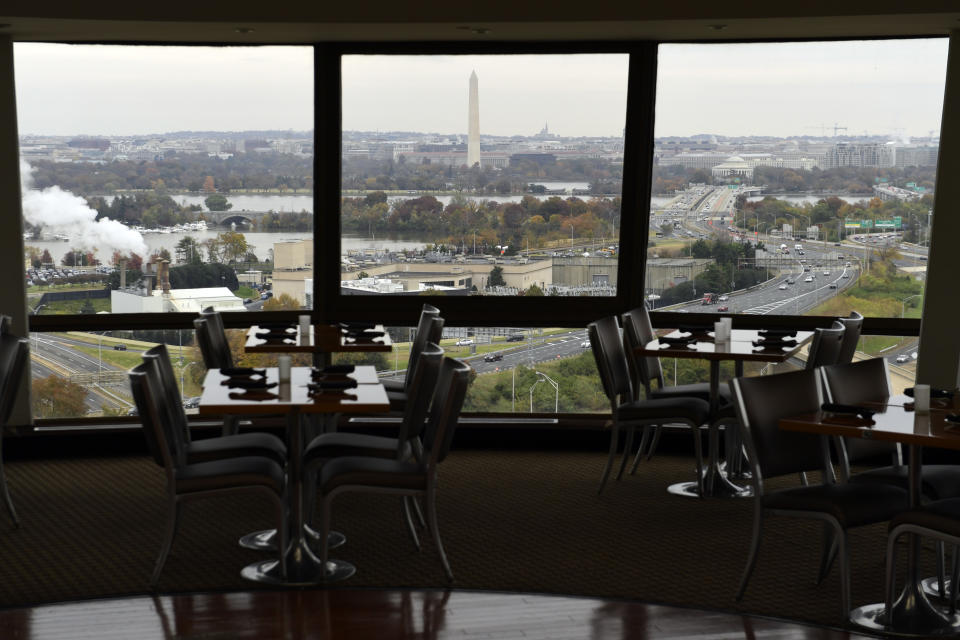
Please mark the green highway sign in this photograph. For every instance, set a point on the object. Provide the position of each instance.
(911, 185)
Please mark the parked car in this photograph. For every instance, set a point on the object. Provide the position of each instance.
(192, 402)
(723, 308)
(723, 298)
(515, 337)
(585, 344)
(464, 342)
(493, 357)
(119, 347)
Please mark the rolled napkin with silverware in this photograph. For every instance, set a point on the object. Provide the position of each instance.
(934, 393)
(677, 340)
(851, 409)
(364, 335)
(242, 371)
(357, 326)
(246, 383)
(335, 369)
(776, 333)
(774, 342)
(331, 385)
(254, 394)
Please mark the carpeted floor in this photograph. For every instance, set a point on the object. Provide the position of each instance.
(513, 521)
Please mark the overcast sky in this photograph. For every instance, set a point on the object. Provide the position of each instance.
(879, 87)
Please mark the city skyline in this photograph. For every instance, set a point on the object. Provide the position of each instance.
(889, 87)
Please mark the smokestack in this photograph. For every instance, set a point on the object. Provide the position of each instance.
(163, 276)
(123, 274)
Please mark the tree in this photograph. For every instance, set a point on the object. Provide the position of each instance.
(208, 185)
(217, 202)
(233, 245)
(533, 290)
(46, 258)
(496, 277)
(281, 302)
(33, 255)
(188, 251)
(362, 275)
(56, 397)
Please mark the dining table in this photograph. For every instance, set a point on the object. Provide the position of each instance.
(322, 340)
(303, 395)
(744, 345)
(895, 420)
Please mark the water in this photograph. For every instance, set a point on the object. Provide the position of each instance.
(801, 200)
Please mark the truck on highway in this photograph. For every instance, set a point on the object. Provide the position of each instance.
(709, 298)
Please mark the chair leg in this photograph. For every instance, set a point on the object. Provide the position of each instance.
(417, 511)
(954, 578)
(941, 568)
(752, 557)
(698, 454)
(614, 440)
(412, 530)
(828, 553)
(803, 478)
(644, 443)
(435, 528)
(171, 531)
(231, 425)
(6, 496)
(627, 448)
(891, 575)
(657, 430)
(844, 552)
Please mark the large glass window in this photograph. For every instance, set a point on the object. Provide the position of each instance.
(482, 174)
(166, 179)
(795, 178)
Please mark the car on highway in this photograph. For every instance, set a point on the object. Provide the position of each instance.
(783, 286)
(846, 275)
(515, 337)
(903, 358)
(791, 281)
(723, 308)
(493, 357)
(119, 347)
(806, 268)
(833, 285)
(585, 344)
(826, 273)
(192, 402)
(808, 279)
(464, 342)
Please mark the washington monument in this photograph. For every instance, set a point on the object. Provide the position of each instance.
(473, 126)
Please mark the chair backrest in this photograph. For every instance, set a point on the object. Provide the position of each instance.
(452, 383)
(422, 387)
(218, 336)
(854, 383)
(853, 325)
(426, 332)
(160, 366)
(146, 401)
(13, 360)
(607, 347)
(761, 402)
(638, 331)
(825, 348)
(213, 344)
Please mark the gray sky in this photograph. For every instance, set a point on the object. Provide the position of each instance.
(749, 89)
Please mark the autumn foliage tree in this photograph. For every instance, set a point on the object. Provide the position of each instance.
(56, 397)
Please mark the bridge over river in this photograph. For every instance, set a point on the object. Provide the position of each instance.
(240, 218)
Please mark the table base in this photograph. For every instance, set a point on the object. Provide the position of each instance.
(915, 617)
(303, 569)
(931, 587)
(266, 540)
(720, 490)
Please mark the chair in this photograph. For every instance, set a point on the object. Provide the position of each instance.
(429, 329)
(217, 448)
(760, 403)
(432, 332)
(407, 478)
(212, 339)
(13, 361)
(638, 331)
(630, 413)
(423, 381)
(826, 345)
(851, 336)
(249, 474)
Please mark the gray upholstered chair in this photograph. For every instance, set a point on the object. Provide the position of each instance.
(761, 402)
(629, 413)
(185, 481)
(429, 329)
(14, 352)
(645, 370)
(415, 478)
(826, 346)
(216, 448)
(853, 325)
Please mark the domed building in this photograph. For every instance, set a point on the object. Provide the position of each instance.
(733, 167)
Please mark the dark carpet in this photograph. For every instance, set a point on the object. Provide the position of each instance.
(512, 521)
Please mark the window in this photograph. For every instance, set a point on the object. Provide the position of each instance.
(804, 164)
(161, 179)
(481, 174)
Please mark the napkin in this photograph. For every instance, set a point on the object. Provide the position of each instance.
(340, 394)
(242, 371)
(246, 383)
(934, 393)
(774, 342)
(678, 340)
(776, 333)
(852, 409)
(696, 329)
(254, 394)
(357, 326)
(335, 369)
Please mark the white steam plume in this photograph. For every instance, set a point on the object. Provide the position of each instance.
(63, 212)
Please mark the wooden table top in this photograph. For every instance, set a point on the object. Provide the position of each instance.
(370, 395)
(895, 421)
(740, 347)
(322, 338)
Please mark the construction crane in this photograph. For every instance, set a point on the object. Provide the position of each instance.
(836, 128)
